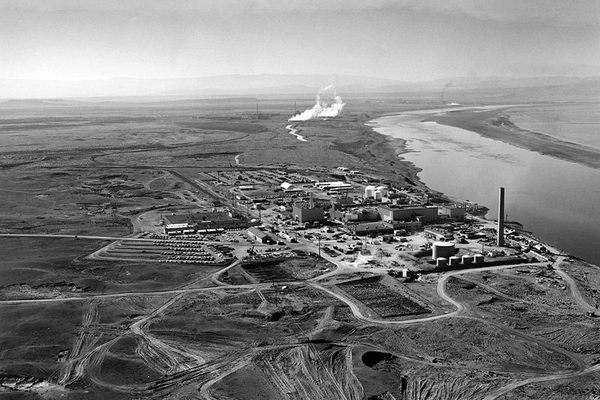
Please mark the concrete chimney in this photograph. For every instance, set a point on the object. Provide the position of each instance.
(500, 241)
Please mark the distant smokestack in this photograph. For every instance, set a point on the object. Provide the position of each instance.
(311, 203)
(500, 241)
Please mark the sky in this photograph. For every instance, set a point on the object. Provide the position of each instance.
(406, 40)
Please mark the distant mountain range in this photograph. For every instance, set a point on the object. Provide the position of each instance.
(272, 84)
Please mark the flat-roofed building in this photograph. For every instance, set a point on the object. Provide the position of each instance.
(208, 220)
(178, 229)
(372, 228)
(305, 213)
(452, 212)
(423, 214)
(334, 185)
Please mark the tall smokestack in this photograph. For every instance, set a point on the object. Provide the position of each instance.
(500, 241)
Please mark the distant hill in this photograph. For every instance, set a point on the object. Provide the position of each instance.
(273, 84)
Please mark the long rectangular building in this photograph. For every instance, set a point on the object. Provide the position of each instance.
(423, 214)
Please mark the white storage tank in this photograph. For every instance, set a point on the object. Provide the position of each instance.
(466, 260)
(442, 249)
(478, 259)
(441, 262)
(454, 260)
(369, 190)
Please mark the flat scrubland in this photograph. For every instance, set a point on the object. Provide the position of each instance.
(80, 327)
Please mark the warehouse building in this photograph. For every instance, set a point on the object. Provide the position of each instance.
(361, 215)
(204, 220)
(423, 214)
(259, 236)
(372, 228)
(335, 185)
(452, 212)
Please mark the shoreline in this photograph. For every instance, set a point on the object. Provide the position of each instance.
(488, 113)
(496, 124)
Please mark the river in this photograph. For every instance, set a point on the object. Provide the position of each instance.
(558, 201)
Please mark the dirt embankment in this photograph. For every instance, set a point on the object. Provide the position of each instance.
(496, 124)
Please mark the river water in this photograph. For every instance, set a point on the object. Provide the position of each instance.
(558, 201)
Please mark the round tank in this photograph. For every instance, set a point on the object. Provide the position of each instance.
(466, 260)
(441, 262)
(369, 191)
(478, 259)
(454, 260)
(442, 249)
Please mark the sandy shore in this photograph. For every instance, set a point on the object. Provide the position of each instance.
(495, 124)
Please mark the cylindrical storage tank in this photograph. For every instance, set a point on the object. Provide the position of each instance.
(454, 260)
(478, 259)
(369, 191)
(466, 260)
(441, 262)
(377, 195)
(442, 249)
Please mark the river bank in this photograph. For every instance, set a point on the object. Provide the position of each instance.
(496, 124)
(552, 197)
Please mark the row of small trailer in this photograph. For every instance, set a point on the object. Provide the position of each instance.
(191, 260)
(179, 243)
(188, 254)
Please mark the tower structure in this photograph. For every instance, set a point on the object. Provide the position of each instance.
(500, 241)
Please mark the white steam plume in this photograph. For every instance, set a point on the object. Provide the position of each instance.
(322, 109)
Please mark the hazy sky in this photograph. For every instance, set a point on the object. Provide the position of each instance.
(406, 39)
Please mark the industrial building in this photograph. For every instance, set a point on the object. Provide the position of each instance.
(256, 234)
(334, 185)
(303, 212)
(361, 215)
(372, 228)
(423, 214)
(207, 220)
(408, 226)
(453, 213)
(177, 229)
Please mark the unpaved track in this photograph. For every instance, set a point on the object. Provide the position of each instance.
(189, 367)
(573, 288)
(462, 308)
(500, 392)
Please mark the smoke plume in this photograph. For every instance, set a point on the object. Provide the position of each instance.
(322, 108)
